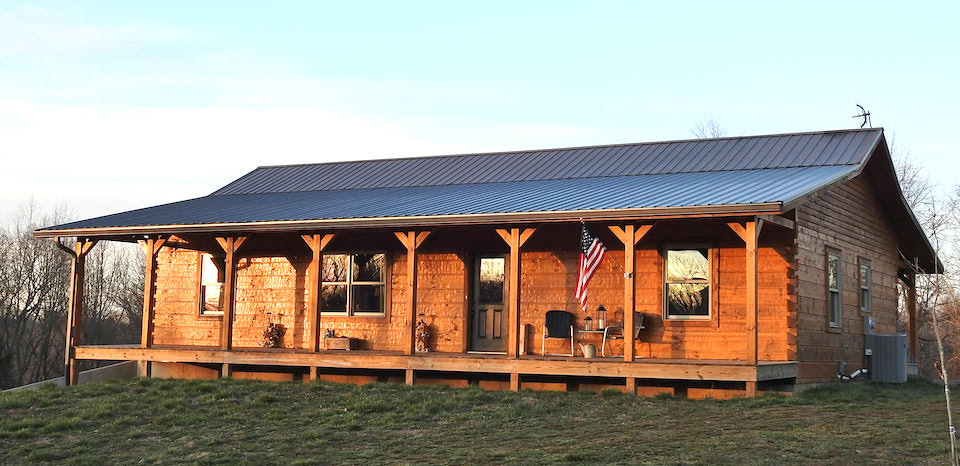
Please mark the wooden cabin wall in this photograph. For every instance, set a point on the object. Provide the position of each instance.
(549, 273)
(176, 309)
(848, 217)
(549, 278)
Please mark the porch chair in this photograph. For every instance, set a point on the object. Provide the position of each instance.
(618, 332)
(557, 324)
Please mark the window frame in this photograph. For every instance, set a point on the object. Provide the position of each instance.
(831, 322)
(349, 283)
(202, 286)
(864, 264)
(665, 283)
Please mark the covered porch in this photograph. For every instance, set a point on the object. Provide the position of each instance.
(416, 283)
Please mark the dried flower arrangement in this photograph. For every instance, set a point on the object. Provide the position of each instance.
(273, 334)
(423, 334)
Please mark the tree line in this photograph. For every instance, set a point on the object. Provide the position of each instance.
(34, 291)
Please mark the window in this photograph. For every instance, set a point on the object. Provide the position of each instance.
(865, 281)
(687, 284)
(211, 285)
(353, 284)
(833, 289)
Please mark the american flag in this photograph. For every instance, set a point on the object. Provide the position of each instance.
(591, 253)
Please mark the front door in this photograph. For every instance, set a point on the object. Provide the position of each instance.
(488, 313)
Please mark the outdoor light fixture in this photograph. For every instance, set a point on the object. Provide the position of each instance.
(601, 317)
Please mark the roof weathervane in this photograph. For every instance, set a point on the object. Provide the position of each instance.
(865, 115)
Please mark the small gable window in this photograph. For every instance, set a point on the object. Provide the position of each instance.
(833, 289)
(865, 285)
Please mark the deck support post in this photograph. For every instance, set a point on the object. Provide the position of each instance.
(151, 247)
(629, 235)
(911, 286)
(631, 388)
(78, 255)
(751, 389)
(411, 240)
(514, 381)
(230, 245)
(515, 239)
(317, 243)
(226, 371)
(749, 232)
(313, 373)
(408, 376)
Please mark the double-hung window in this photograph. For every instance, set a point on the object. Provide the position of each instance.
(834, 299)
(211, 285)
(865, 284)
(686, 286)
(353, 284)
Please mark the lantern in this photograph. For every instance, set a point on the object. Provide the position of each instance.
(588, 323)
(601, 317)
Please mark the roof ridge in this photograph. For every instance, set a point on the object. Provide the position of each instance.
(551, 149)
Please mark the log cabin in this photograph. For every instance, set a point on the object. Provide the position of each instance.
(734, 266)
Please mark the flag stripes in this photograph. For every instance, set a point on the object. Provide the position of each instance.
(591, 253)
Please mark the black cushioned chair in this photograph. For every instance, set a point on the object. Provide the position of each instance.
(557, 324)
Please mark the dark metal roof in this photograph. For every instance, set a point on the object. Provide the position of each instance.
(725, 175)
(721, 188)
(848, 147)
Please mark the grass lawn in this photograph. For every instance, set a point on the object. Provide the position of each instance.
(236, 421)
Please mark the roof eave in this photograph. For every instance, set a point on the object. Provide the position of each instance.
(731, 210)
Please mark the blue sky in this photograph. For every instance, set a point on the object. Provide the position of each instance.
(111, 106)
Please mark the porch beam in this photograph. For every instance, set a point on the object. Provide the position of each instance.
(151, 247)
(411, 240)
(749, 232)
(317, 243)
(230, 245)
(779, 221)
(629, 235)
(515, 239)
(75, 305)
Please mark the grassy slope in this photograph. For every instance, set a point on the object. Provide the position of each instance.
(233, 421)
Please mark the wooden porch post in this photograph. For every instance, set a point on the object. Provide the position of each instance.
(912, 314)
(750, 234)
(151, 246)
(317, 244)
(78, 254)
(230, 245)
(629, 235)
(411, 240)
(515, 238)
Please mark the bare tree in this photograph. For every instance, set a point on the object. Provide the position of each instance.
(708, 128)
(34, 285)
(33, 297)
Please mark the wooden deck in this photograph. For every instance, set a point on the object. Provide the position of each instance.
(641, 368)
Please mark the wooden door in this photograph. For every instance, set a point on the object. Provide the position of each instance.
(488, 312)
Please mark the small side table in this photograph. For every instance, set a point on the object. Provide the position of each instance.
(601, 331)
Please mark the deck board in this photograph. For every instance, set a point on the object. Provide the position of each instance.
(645, 368)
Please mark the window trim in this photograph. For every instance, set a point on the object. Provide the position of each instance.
(834, 252)
(201, 287)
(710, 282)
(862, 263)
(385, 279)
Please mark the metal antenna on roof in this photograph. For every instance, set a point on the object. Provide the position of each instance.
(865, 115)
